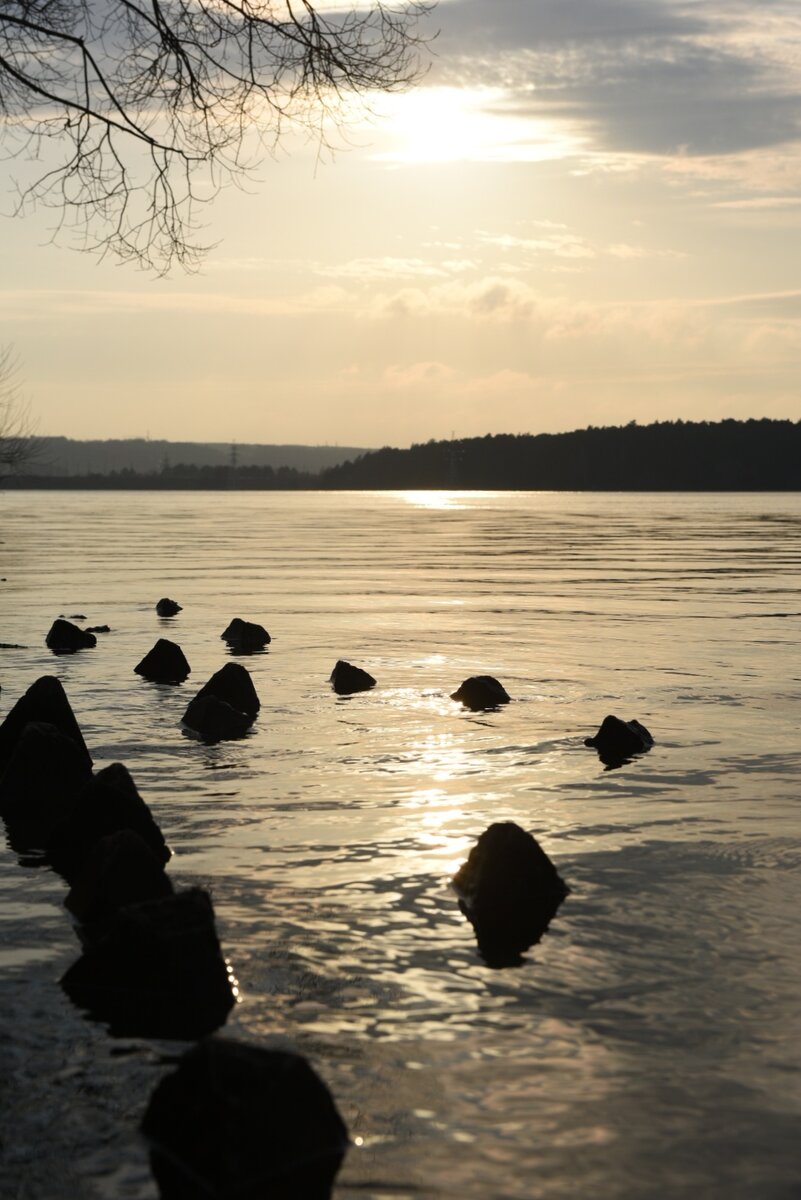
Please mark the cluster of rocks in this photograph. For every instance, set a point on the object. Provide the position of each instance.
(234, 1118)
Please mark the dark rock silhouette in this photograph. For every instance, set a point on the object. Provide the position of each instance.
(240, 1122)
(167, 607)
(98, 629)
(509, 890)
(121, 870)
(213, 720)
(46, 701)
(347, 679)
(232, 683)
(159, 971)
(66, 638)
(616, 741)
(245, 635)
(481, 692)
(107, 803)
(165, 663)
(40, 784)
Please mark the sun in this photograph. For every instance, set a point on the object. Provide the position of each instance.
(448, 125)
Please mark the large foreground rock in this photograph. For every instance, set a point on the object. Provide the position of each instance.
(509, 890)
(245, 636)
(65, 638)
(347, 679)
(240, 1122)
(108, 803)
(165, 663)
(158, 973)
(45, 701)
(40, 784)
(481, 692)
(616, 741)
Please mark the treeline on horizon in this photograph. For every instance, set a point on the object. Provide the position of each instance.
(724, 455)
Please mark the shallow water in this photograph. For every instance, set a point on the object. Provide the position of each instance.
(650, 1045)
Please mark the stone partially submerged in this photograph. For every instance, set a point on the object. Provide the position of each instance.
(121, 870)
(509, 890)
(65, 638)
(165, 663)
(45, 701)
(168, 608)
(233, 684)
(347, 679)
(616, 741)
(40, 784)
(159, 971)
(245, 636)
(241, 1122)
(481, 692)
(213, 720)
(109, 802)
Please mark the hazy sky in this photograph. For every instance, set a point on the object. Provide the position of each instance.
(588, 213)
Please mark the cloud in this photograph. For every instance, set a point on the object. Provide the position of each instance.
(636, 77)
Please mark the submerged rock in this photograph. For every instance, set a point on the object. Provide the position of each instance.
(509, 890)
(40, 784)
(245, 635)
(616, 741)
(165, 663)
(233, 684)
(215, 721)
(168, 608)
(122, 869)
(159, 972)
(109, 802)
(98, 629)
(481, 692)
(65, 638)
(241, 1122)
(45, 701)
(347, 679)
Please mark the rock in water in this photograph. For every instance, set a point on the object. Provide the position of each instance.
(241, 1122)
(158, 973)
(481, 692)
(46, 701)
(233, 684)
(121, 870)
(509, 890)
(246, 635)
(107, 803)
(215, 721)
(66, 638)
(40, 784)
(165, 663)
(347, 679)
(168, 608)
(617, 740)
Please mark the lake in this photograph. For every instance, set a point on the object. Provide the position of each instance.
(650, 1045)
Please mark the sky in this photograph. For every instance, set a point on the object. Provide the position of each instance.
(587, 212)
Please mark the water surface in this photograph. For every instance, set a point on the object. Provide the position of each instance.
(650, 1045)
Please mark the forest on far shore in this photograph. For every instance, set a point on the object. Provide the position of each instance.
(729, 455)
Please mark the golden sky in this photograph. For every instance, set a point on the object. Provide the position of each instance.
(587, 213)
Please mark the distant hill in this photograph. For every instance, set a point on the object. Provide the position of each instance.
(760, 455)
(64, 456)
(753, 455)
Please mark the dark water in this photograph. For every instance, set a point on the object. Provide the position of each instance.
(650, 1046)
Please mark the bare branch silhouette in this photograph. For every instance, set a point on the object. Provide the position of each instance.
(141, 109)
(17, 443)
